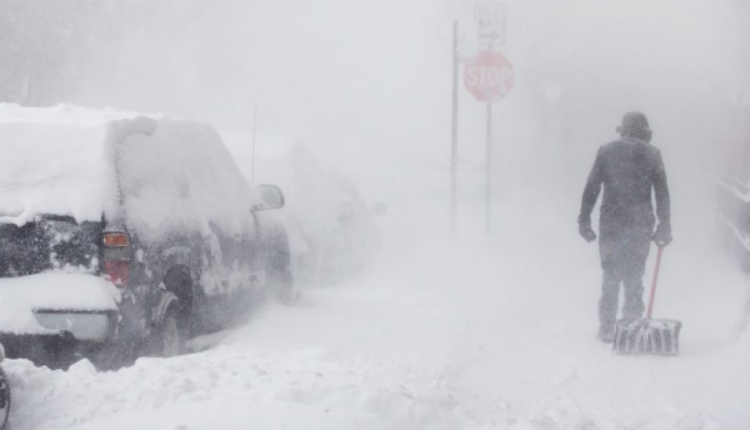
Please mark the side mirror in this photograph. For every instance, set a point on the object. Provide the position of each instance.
(271, 198)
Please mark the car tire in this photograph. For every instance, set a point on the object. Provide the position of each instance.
(168, 338)
(4, 399)
(115, 355)
(282, 281)
(285, 288)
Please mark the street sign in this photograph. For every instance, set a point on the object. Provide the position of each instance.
(490, 19)
(488, 76)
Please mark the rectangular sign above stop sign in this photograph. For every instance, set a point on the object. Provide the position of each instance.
(488, 76)
(490, 19)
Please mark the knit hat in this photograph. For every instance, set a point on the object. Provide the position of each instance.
(635, 124)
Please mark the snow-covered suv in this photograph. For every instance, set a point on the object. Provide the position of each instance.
(119, 231)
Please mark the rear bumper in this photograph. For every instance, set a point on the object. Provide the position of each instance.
(61, 329)
(88, 326)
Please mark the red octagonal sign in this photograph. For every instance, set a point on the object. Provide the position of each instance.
(489, 76)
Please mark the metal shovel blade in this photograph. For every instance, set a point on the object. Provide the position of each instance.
(647, 336)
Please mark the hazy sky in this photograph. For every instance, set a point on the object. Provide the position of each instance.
(375, 76)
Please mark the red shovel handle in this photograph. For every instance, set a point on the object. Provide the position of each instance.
(653, 284)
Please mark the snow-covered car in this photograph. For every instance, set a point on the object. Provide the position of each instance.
(120, 231)
(343, 238)
(332, 230)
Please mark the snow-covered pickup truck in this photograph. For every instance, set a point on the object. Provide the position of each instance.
(120, 232)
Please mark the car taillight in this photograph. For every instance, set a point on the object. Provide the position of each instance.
(116, 258)
(116, 239)
(117, 272)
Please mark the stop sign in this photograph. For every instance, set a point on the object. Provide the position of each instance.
(489, 76)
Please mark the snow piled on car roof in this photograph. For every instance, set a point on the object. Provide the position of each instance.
(165, 174)
(55, 160)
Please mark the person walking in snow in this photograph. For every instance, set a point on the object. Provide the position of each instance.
(628, 169)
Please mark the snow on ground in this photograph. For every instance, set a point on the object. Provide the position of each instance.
(449, 340)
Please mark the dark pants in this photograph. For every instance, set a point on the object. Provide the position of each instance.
(623, 259)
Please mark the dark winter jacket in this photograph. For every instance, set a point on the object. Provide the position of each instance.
(628, 169)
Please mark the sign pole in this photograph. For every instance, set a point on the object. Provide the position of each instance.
(255, 128)
(454, 137)
(489, 169)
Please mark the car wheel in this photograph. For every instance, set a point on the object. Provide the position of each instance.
(282, 284)
(115, 355)
(4, 399)
(285, 290)
(168, 339)
(279, 278)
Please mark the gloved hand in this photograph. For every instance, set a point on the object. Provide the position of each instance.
(586, 232)
(663, 235)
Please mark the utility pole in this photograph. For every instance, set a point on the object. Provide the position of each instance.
(255, 128)
(488, 199)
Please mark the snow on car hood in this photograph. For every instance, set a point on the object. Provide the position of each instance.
(19, 297)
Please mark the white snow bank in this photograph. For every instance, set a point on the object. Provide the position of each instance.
(55, 160)
(237, 388)
(19, 297)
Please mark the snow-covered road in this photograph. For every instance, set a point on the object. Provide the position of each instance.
(464, 339)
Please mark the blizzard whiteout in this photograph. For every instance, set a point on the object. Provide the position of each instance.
(474, 332)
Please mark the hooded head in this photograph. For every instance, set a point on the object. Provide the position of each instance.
(635, 124)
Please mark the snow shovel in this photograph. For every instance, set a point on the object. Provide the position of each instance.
(648, 335)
